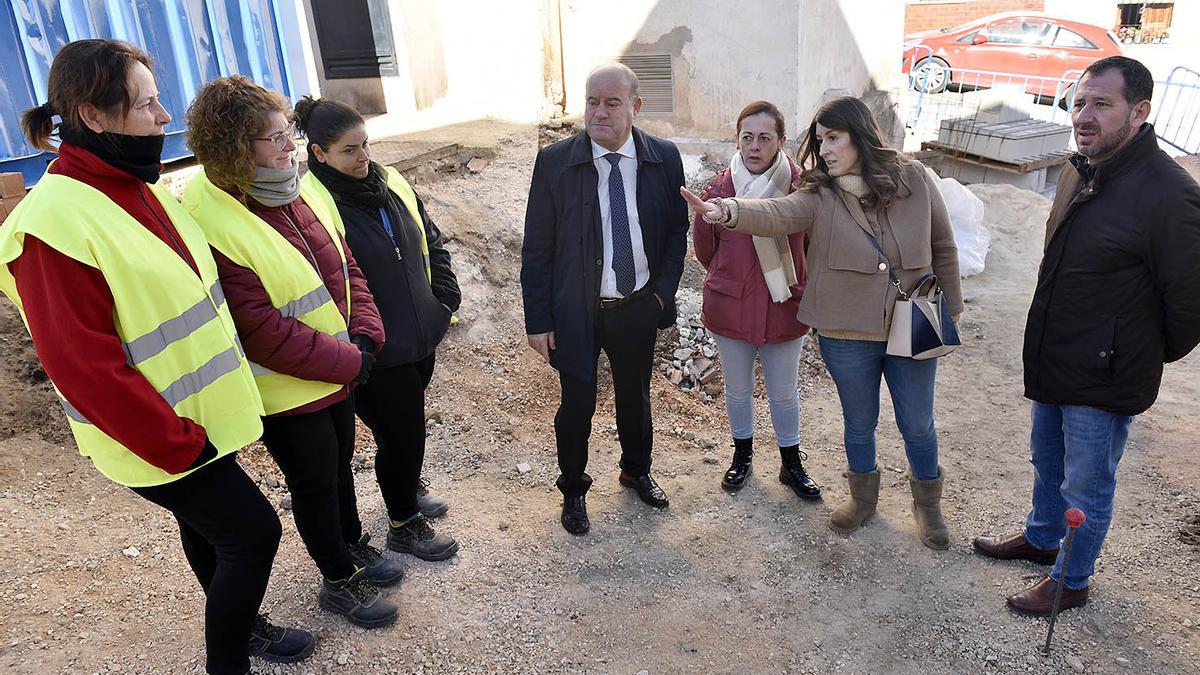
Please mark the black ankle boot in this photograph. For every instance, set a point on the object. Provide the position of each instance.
(793, 475)
(743, 452)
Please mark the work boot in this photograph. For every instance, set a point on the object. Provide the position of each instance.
(927, 510)
(276, 644)
(415, 536)
(864, 496)
(743, 452)
(431, 505)
(358, 600)
(381, 571)
(792, 473)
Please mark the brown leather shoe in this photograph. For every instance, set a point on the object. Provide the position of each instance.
(1038, 600)
(1014, 547)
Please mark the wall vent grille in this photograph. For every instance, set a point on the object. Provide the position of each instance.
(656, 81)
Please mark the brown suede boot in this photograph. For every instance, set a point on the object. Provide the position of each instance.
(927, 510)
(864, 495)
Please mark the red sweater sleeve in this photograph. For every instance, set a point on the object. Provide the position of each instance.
(364, 316)
(69, 308)
(283, 344)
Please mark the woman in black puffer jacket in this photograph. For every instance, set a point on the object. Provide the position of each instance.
(399, 250)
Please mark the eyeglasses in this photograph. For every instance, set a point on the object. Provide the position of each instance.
(281, 138)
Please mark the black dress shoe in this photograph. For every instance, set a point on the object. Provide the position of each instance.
(646, 488)
(793, 475)
(739, 469)
(574, 515)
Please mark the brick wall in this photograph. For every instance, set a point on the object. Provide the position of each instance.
(920, 16)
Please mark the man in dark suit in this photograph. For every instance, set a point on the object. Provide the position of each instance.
(605, 237)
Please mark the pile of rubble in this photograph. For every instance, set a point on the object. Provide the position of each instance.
(688, 355)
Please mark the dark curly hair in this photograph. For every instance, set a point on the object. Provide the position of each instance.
(223, 121)
(879, 164)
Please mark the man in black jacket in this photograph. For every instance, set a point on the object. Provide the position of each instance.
(1118, 295)
(605, 237)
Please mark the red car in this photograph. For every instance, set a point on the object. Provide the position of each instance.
(1024, 48)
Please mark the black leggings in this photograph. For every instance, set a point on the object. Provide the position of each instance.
(229, 533)
(314, 451)
(392, 405)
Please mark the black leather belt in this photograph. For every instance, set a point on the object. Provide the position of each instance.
(613, 303)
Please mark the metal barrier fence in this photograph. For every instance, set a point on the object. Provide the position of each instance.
(1175, 112)
(935, 93)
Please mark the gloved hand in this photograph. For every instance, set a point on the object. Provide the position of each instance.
(364, 372)
(364, 343)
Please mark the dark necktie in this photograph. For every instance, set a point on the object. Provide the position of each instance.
(618, 216)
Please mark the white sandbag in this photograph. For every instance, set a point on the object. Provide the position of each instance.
(970, 234)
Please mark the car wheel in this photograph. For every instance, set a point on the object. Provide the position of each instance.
(931, 75)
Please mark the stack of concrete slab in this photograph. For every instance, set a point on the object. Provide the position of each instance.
(1001, 143)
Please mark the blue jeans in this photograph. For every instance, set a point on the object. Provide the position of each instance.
(856, 367)
(781, 369)
(1075, 451)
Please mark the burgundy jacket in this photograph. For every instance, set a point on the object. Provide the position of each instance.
(69, 307)
(737, 303)
(284, 344)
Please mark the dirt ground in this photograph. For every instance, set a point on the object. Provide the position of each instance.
(751, 582)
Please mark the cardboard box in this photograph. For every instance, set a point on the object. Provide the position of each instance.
(3, 212)
(12, 185)
(9, 204)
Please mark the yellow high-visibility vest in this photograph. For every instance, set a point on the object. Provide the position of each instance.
(175, 326)
(399, 187)
(293, 286)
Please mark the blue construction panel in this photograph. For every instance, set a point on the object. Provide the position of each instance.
(190, 42)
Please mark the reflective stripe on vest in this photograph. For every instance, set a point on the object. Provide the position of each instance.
(175, 329)
(293, 286)
(188, 384)
(173, 324)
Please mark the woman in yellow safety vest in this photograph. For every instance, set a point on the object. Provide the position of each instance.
(400, 251)
(307, 322)
(120, 294)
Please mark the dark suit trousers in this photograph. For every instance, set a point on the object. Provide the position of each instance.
(626, 334)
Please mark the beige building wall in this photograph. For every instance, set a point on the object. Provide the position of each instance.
(723, 54)
(849, 47)
(457, 60)
(518, 59)
(795, 54)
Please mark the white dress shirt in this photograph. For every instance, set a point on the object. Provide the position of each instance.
(629, 167)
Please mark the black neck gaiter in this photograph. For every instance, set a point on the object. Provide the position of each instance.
(139, 155)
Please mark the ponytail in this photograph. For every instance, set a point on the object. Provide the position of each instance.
(324, 120)
(38, 126)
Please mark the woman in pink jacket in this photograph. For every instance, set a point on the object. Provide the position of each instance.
(751, 294)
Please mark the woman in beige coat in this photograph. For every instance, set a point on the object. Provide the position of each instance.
(859, 193)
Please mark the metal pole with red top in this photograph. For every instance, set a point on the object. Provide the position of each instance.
(1075, 518)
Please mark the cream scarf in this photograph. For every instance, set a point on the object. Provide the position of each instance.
(774, 253)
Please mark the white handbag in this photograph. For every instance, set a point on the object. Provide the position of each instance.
(921, 324)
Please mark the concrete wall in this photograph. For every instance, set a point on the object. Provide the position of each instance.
(795, 54)
(921, 15)
(519, 59)
(724, 55)
(457, 60)
(850, 48)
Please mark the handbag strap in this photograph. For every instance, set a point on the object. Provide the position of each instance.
(855, 208)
